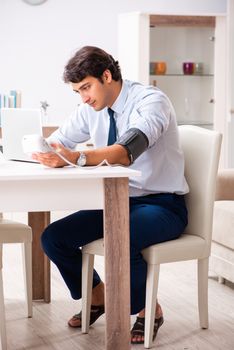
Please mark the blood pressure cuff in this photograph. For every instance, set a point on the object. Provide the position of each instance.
(135, 142)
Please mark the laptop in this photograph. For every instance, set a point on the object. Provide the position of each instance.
(17, 122)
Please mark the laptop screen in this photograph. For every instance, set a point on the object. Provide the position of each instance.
(17, 122)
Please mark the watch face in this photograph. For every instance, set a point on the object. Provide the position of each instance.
(81, 160)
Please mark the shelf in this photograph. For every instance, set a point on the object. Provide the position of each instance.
(185, 21)
(194, 122)
(181, 75)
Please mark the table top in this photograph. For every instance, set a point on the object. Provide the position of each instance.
(14, 170)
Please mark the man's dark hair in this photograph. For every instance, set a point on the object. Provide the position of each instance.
(90, 61)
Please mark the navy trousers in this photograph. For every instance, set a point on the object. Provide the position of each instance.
(153, 219)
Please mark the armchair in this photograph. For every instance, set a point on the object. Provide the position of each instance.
(222, 251)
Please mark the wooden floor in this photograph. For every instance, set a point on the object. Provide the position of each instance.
(48, 329)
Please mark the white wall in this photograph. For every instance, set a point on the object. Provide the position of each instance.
(37, 41)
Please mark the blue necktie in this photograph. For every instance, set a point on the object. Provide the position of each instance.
(112, 129)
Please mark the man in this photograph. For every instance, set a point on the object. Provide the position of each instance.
(130, 125)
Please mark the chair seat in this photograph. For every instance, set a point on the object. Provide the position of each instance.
(95, 247)
(177, 250)
(12, 232)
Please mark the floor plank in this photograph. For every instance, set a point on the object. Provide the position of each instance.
(48, 328)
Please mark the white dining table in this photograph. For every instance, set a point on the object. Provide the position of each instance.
(38, 190)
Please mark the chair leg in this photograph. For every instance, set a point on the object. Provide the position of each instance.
(203, 265)
(87, 284)
(150, 303)
(2, 316)
(27, 264)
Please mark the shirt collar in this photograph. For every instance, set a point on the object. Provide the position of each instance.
(118, 105)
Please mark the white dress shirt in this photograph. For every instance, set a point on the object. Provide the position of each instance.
(148, 109)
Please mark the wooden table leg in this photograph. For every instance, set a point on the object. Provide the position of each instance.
(40, 263)
(117, 264)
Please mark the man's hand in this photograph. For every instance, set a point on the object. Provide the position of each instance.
(52, 160)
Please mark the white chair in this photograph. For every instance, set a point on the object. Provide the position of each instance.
(14, 232)
(222, 248)
(201, 149)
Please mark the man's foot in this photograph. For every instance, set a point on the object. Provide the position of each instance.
(138, 329)
(97, 307)
(96, 312)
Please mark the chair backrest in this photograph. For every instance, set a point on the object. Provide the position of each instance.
(201, 149)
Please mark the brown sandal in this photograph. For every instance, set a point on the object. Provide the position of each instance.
(96, 312)
(138, 328)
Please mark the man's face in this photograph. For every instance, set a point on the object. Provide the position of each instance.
(98, 95)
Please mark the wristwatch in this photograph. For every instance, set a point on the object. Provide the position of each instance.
(81, 161)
